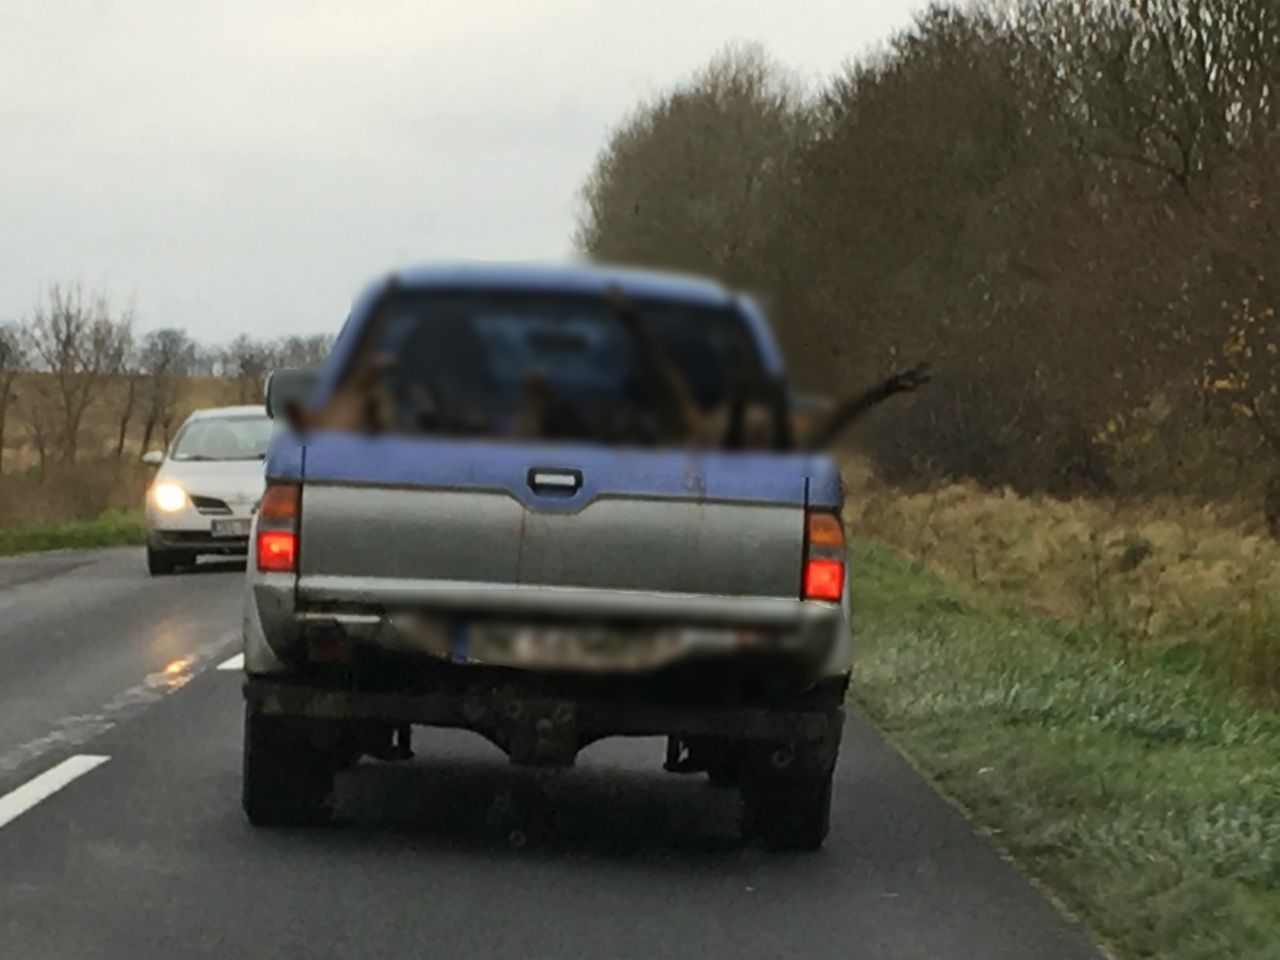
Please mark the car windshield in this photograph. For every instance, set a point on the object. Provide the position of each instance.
(471, 358)
(223, 438)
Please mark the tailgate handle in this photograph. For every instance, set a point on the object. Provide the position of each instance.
(551, 480)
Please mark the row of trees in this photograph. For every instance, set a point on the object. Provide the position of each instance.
(1071, 206)
(88, 357)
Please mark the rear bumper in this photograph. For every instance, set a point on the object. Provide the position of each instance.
(648, 631)
(198, 541)
(357, 596)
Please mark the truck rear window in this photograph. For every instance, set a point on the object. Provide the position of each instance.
(464, 362)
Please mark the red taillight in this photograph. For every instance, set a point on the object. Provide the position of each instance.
(277, 542)
(824, 555)
(277, 550)
(824, 579)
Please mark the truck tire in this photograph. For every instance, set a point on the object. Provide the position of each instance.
(787, 814)
(288, 781)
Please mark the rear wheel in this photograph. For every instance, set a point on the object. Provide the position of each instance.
(788, 814)
(288, 779)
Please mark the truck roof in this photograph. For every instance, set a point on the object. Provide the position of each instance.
(563, 278)
(586, 279)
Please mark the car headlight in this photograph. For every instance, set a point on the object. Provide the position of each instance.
(169, 497)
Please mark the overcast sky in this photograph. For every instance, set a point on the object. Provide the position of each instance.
(249, 164)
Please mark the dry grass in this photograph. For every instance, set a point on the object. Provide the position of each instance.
(97, 481)
(1190, 577)
(102, 420)
(80, 492)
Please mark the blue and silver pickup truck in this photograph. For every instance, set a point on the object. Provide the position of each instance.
(546, 587)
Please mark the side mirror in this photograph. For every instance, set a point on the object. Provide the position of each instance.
(293, 384)
(153, 458)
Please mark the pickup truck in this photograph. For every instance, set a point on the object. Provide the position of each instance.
(544, 592)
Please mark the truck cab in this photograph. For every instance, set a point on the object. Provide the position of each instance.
(593, 577)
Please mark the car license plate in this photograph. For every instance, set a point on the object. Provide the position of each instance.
(230, 528)
(549, 647)
(576, 648)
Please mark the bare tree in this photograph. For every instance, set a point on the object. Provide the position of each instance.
(302, 351)
(165, 357)
(38, 415)
(77, 343)
(128, 373)
(205, 360)
(12, 361)
(248, 361)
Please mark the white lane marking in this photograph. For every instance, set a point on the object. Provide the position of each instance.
(78, 730)
(235, 663)
(18, 801)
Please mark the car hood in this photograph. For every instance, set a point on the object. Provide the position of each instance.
(235, 481)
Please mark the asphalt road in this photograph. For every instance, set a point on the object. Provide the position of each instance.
(142, 851)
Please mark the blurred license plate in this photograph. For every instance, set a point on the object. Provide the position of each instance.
(231, 528)
(552, 647)
(582, 648)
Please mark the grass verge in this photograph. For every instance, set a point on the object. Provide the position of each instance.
(1129, 782)
(113, 528)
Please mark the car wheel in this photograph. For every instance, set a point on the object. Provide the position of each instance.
(288, 779)
(787, 814)
(161, 562)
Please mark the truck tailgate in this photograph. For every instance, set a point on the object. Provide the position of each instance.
(441, 512)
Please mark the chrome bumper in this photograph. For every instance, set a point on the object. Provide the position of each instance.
(537, 627)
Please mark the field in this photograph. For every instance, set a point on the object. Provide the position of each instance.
(99, 480)
(1195, 583)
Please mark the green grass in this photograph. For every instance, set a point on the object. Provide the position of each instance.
(1135, 787)
(113, 528)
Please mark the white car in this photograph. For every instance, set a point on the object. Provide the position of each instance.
(204, 495)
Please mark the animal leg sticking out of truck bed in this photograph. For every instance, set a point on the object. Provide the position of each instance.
(361, 403)
(539, 416)
(755, 414)
(850, 411)
(675, 408)
(751, 417)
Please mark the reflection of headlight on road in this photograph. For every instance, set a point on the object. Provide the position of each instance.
(169, 497)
